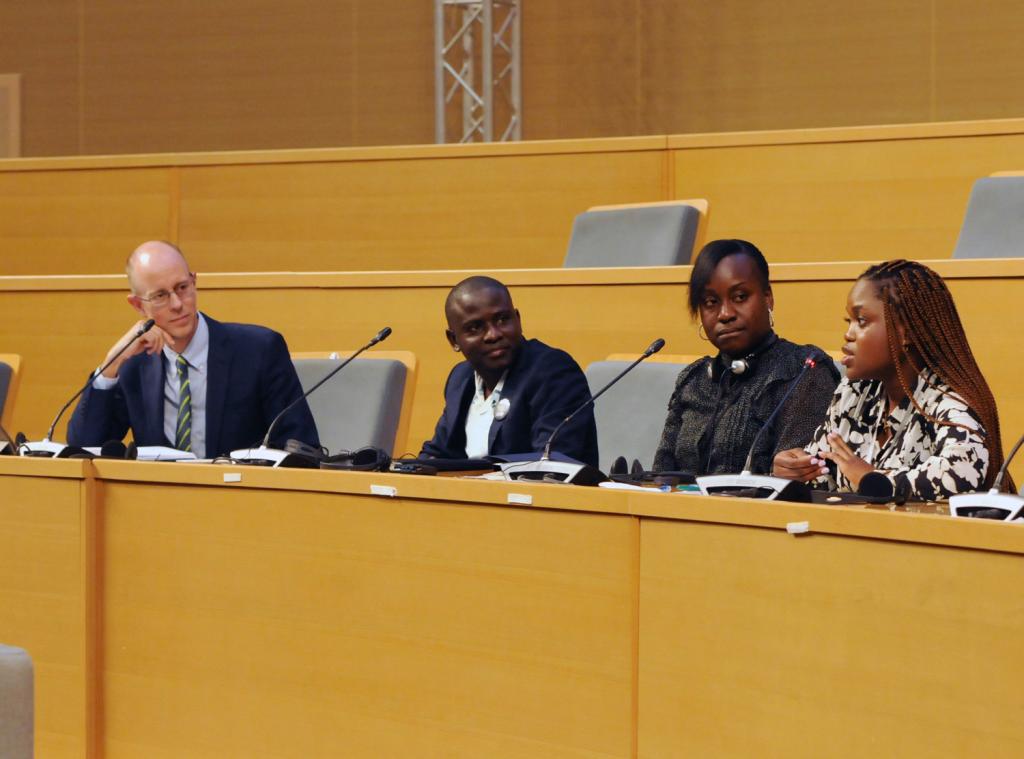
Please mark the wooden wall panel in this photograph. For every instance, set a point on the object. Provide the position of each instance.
(979, 71)
(393, 78)
(194, 75)
(457, 213)
(846, 200)
(580, 69)
(80, 222)
(40, 41)
(103, 76)
(773, 65)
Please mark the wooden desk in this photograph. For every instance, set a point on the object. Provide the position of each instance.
(296, 613)
(876, 634)
(48, 593)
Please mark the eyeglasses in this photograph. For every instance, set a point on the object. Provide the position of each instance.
(161, 298)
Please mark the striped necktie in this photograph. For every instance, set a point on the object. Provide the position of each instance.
(183, 437)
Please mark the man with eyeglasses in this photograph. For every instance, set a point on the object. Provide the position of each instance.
(190, 382)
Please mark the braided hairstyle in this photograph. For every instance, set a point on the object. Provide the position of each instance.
(918, 300)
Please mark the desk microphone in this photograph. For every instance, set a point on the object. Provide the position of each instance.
(581, 474)
(46, 447)
(264, 454)
(653, 348)
(749, 485)
(1007, 507)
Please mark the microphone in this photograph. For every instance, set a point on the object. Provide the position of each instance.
(264, 454)
(749, 485)
(47, 447)
(1006, 507)
(809, 363)
(876, 485)
(563, 471)
(653, 348)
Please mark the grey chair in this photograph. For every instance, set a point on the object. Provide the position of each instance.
(9, 365)
(631, 415)
(16, 703)
(366, 403)
(994, 222)
(643, 234)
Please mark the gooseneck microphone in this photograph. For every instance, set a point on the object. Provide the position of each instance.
(809, 363)
(653, 348)
(146, 327)
(997, 483)
(379, 337)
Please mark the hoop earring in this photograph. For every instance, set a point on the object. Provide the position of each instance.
(771, 318)
(701, 334)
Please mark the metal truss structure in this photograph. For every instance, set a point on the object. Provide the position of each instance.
(477, 84)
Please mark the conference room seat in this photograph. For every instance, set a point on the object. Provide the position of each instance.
(10, 363)
(637, 234)
(369, 402)
(994, 222)
(631, 415)
(16, 703)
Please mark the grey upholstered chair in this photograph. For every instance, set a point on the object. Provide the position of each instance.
(16, 703)
(9, 365)
(631, 415)
(642, 234)
(994, 223)
(366, 403)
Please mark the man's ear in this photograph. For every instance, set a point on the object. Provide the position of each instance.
(770, 298)
(451, 339)
(135, 302)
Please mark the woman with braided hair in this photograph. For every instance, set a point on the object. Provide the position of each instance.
(914, 405)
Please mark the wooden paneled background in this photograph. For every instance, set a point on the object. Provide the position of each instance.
(102, 76)
(833, 194)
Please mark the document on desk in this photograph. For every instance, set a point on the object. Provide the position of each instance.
(154, 453)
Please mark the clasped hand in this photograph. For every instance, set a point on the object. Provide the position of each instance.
(796, 464)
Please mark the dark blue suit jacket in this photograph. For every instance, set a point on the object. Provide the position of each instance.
(250, 379)
(543, 386)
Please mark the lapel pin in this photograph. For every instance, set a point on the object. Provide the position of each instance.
(501, 410)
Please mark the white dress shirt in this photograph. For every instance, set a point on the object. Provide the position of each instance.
(480, 416)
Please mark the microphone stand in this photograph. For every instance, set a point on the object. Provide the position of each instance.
(46, 448)
(746, 484)
(265, 455)
(570, 471)
(1007, 507)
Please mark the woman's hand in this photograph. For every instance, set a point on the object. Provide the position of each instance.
(850, 464)
(796, 464)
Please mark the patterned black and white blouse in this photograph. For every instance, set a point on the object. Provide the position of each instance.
(924, 460)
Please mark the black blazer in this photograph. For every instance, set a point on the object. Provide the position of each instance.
(543, 386)
(251, 378)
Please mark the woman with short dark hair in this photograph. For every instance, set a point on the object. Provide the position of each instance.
(721, 402)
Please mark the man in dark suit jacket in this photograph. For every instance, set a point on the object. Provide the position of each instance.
(236, 377)
(510, 393)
